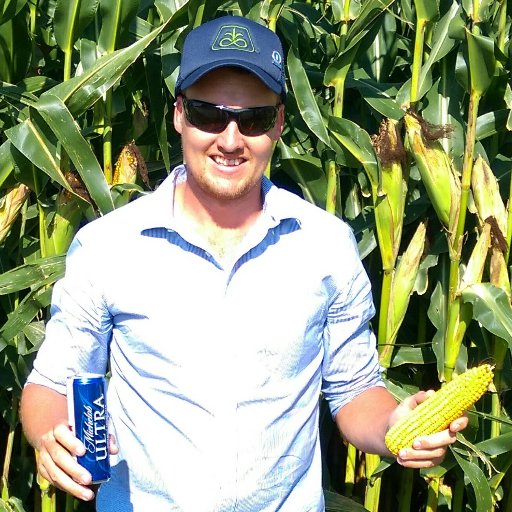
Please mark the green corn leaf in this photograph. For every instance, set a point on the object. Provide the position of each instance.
(305, 98)
(12, 505)
(115, 15)
(70, 19)
(491, 307)
(377, 95)
(479, 483)
(61, 122)
(497, 445)
(482, 62)
(6, 163)
(491, 123)
(306, 171)
(335, 502)
(15, 48)
(338, 10)
(10, 8)
(159, 105)
(26, 311)
(359, 144)
(36, 146)
(427, 10)
(36, 274)
(83, 91)
(443, 44)
(370, 14)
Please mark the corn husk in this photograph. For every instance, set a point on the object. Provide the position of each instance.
(391, 193)
(403, 281)
(129, 163)
(491, 210)
(10, 206)
(64, 223)
(486, 194)
(437, 173)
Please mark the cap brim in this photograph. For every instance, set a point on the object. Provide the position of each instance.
(198, 73)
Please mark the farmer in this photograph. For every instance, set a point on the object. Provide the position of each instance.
(222, 307)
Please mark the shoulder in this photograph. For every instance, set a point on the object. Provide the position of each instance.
(127, 218)
(314, 221)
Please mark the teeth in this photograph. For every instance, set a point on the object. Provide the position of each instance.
(229, 162)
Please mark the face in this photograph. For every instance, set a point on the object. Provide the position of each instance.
(227, 166)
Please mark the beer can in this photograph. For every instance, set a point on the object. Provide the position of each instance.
(88, 418)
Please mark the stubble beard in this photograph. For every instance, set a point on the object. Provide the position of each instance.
(225, 190)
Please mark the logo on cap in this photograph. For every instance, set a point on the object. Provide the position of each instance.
(233, 37)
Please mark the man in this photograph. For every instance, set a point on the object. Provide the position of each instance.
(223, 306)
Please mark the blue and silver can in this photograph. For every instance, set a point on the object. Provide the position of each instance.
(88, 418)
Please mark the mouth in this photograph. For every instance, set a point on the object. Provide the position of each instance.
(227, 162)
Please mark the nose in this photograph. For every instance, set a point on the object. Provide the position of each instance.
(230, 139)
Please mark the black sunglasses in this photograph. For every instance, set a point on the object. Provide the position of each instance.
(214, 118)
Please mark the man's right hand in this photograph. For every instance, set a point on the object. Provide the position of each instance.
(44, 416)
(56, 462)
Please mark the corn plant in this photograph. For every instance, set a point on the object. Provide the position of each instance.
(398, 120)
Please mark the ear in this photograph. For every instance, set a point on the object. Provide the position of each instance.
(179, 115)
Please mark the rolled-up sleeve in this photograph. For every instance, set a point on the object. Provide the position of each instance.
(350, 364)
(79, 330)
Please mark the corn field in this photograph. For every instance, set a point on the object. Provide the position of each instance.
(398, 120)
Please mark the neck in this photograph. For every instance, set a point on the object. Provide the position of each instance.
(221, 224)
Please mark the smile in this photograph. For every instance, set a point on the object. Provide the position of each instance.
(229, 162)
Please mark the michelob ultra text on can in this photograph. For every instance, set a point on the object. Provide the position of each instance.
(88, 418)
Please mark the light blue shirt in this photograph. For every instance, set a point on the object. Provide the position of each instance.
(216, 372)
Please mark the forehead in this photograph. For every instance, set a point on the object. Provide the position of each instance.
(233, 84)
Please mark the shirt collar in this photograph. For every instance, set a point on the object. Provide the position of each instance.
(277, 203)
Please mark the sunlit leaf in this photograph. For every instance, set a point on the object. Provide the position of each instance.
(305, 98)
(70, 19)
(491, 307)
(306, 171)
(61, 122)
(358, 142)
(476, 477)
(30, 275)
(482, 61)
(83, 91)
(115, 16)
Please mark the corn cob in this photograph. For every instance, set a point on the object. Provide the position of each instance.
(437, 412)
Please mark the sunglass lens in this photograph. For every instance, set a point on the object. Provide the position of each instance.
(206, 117)
(257, 121)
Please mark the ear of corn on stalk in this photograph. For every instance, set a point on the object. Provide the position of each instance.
(10, 206)
(491, 210)
(129, 161)
(403, 281)
(391, 192)
(437, 412)
(437, 173)
(486, 194)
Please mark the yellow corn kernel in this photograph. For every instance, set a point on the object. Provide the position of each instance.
(438, 411)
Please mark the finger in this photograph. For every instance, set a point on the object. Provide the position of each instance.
(420, 464)
(459, 424)
(66, 438)
(58, 477)
(437, 440)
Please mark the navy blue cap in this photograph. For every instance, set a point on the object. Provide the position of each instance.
(232, 41)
